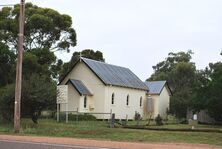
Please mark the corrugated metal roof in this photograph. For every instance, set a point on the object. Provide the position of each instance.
(155, 87)
(80, 87)
(115, 75)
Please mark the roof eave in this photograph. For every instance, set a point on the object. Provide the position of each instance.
(69, 71)
(90, 94)
(129, 87)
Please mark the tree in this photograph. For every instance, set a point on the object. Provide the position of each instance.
(208, 95)
(44, 28)
(183, 76)
(87, 53)
(7, 99)
(37, 94)
(179, 72)
(46, 31)
(163, 70)
(39, 61)
(214, 102)
(7, 65)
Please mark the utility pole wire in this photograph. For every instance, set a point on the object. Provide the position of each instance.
(19, 69)
(2, 5)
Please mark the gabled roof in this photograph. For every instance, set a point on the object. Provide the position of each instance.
(113, 75)
(155, 87)
(79, 86)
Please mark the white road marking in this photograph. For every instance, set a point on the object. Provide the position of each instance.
(49, 144)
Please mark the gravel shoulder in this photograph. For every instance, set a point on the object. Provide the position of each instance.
(106, 144)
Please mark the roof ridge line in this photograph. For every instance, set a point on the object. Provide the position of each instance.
(103, 62)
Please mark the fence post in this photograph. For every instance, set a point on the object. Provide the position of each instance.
(126, 119)
(111, 112)
(77, 114)
(110, 116)
(57, 112)
(67, 113)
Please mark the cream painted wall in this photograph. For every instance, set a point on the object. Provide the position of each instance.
(73, 99)
(89, 102)
(164, 101)
(161, 103)
(91, 81)
(119, 107)
(155, 99)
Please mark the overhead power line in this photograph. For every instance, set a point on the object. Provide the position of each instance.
(2, 5)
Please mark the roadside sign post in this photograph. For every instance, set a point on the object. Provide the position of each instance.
(62, 98)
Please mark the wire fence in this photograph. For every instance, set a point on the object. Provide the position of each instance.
(76, 116)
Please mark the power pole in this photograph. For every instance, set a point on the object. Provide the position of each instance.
(19, 68)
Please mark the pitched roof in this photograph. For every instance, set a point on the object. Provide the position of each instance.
(79, 86)
(112, 75)
(155, 87)
(115, 75)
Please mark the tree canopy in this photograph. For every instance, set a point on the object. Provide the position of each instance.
(192, 89)
(208, 95)
(44, 28)
(7, 65)
(179, 72)
(46, 31)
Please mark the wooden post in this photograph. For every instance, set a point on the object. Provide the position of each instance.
(126, 119)
(67, 113)
(19, 69)
(77, 114)
(109, 120)
(57, 112)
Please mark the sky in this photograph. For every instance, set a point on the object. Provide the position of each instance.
(138, 34)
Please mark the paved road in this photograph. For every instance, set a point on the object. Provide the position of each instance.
(7, 144)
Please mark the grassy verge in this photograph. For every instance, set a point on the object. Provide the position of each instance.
(99, 130)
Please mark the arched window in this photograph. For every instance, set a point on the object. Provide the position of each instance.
(127, 100)
(141, 100)
(85, 102)
(112, 99)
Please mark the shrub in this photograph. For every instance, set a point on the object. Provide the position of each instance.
(7, 99)
(73, 117)
(159, 120)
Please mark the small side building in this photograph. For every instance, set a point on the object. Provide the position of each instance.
(160, 93)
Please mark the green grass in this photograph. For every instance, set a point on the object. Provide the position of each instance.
(99, 130)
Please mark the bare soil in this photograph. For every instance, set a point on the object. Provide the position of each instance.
(107, 144)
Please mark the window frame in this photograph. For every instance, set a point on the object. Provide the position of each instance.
(85, 102)
(112, 98)
(127, 100)
(141, 101)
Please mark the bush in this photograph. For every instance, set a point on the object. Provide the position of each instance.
(7, 99)
(159, 120)
(73, 117)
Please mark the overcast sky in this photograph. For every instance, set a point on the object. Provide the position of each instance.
(140, 33)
